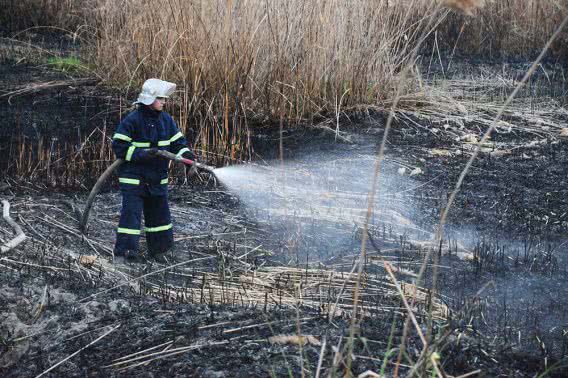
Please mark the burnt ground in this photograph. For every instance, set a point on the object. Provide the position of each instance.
(244, 271)
(511, 214)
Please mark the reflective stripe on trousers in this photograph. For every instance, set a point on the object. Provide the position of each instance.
(159, 232)
(126, 180)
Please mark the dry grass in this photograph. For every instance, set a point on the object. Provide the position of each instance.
(505, 28)
(239, 63)
(57, 163)
(468, 7)
(326, 290)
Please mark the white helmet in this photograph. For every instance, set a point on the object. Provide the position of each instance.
(153, 88)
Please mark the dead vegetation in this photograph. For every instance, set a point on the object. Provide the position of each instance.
(218, 270)
(286, 62)
(238, 64)
(240, 285)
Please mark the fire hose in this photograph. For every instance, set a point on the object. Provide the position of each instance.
(195, 166)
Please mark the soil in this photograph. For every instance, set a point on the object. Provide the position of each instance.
(501, 270)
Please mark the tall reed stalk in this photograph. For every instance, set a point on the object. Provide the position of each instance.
(243, 61)
(513, 28)
(57, 163)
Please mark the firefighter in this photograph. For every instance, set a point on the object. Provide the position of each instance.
(143, 178)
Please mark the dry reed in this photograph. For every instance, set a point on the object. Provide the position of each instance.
(295, 59)
(505, 28)
(57, 163)
(468, 7)
(240, 63)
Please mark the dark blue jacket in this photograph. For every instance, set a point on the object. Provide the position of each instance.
(145, 128)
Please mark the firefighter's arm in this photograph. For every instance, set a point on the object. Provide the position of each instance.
(178, 143)
(123, 145)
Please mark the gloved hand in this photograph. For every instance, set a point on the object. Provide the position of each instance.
(192, 171)
(193, 168)
(189, 155)
(149, 153)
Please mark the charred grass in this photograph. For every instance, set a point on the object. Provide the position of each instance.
(241, 289)
(243, 280)
(239, 64)
(226, 298)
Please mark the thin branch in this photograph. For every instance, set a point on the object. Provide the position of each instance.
(79, 351)
(20, 235)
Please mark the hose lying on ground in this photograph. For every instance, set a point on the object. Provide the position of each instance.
(106, 174)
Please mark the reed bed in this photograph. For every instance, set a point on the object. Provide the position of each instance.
(50, 163)
(325, 290)
(242, 63)
(515, 28)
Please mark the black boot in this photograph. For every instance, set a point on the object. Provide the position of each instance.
(160, 257)
(163, 256)
(134, 257)
(127, 257)
(118, 257)
(119, 260)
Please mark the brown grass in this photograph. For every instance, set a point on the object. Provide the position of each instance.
(513, 28)
(468, 7)
(56, 163)
(238, 63)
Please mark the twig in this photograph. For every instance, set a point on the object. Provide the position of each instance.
(402, 296)
(146, 275)
(77, 352)
(20, 236)
(23, 220)
(34, 265)
(471, 373)
(167, 343)
(41, 305)
(320, 360)
(232, 330)
(53, 222)
(163, 354)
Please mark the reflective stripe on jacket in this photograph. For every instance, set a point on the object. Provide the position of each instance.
(141, 129)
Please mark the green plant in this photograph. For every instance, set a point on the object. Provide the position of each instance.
(66, 64)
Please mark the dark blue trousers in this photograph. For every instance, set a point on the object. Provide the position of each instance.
(157, 219)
